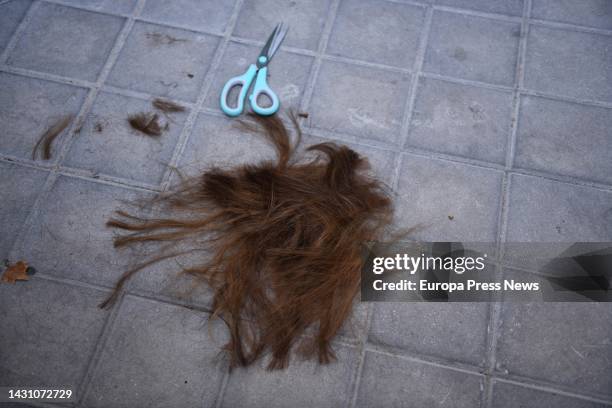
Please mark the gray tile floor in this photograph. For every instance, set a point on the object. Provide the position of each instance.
(497, 112)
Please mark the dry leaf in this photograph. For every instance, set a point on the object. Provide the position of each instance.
(15, 272)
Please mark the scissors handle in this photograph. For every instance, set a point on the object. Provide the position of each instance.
(261, 88)
(244, 81)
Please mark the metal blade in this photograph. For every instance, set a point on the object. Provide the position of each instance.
(266, 48)
(278, 39)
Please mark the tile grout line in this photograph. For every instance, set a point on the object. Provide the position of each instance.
(568, 27)
(84, 175)
(528, 383)
(407, 114)
(222, 388)
(30, 73)
(191, 120)
(145, 96)
(512, 139)
(466, 82)
(87, 8)
(495, 308)
(414, 80)
(285, 48)
(563, 98)
(493, 321)
(96, 356)
(318, 58)
(479, 14)
(366, 64)
(425, 359)
(88, 175)
(470, 369)
(356, 381)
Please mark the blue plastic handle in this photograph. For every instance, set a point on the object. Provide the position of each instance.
(261, 88)
(244, 81)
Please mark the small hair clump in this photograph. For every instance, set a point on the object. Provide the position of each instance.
(284, 243)
(47, 138)
(147, 123)
(167, 106)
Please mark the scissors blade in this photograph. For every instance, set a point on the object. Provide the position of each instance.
(269, 41)
(273, 42)
(278, 39)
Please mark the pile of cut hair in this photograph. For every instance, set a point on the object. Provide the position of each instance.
(284, 239)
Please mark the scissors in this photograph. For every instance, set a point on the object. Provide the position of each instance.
(259, 70)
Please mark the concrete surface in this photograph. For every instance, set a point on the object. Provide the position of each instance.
(497, 113)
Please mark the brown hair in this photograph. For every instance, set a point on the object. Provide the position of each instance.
(47, 138)
(286, 239)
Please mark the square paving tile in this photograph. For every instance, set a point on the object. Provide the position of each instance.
(164, 61)
(365, 102)
(287, 75)
(208, 15)
(48, 332)
(302, 384)
(552, 138)
(66, 41)
(569, 63)
(473, 48)
(449, 201)
(396, 28)
(509, 7)
(388, 381)
(20, 187)
(452, 331)
(159, 355)
(566, 343)
(509, 396)
(305, 19)
(69, 238)
(542, 210)
(106, 6)
(591, 13)
(107, 144)
(28, 107)
(11, 14)
(462, 120)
